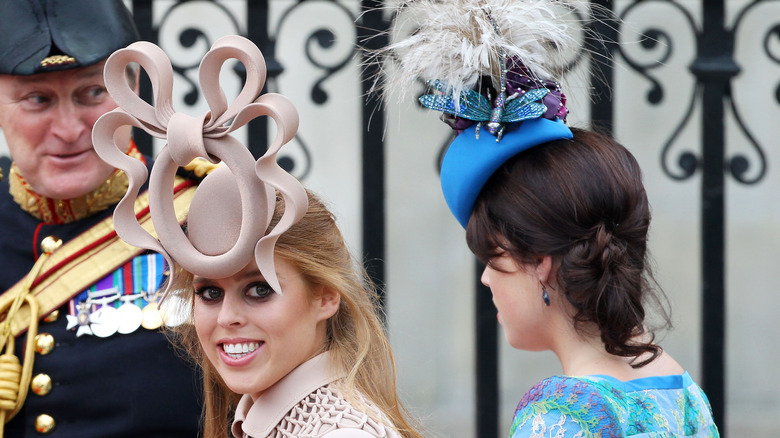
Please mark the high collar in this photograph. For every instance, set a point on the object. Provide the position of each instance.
(258, 418)
(63, 211)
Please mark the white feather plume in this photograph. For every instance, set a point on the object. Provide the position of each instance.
(455, 40)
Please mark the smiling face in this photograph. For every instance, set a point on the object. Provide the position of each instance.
(47, 120)
(517, 294)
(253, 336)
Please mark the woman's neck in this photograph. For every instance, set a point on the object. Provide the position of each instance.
(583, 354)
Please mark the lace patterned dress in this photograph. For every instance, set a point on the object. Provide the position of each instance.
(602, 406)
(307, 403)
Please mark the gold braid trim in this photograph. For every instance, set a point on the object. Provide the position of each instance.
(64, 211)
(14, 376)
(56, 60)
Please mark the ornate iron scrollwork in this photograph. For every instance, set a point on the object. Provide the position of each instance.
(185, 36)
(654, 38)
(182, 30)
(739, 164)
(332, 39)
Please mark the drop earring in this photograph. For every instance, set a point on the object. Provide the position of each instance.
(545, 295)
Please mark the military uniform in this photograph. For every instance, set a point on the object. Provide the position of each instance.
(84, 385)
(100, 368)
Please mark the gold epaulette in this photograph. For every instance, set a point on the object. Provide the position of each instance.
(201, 167)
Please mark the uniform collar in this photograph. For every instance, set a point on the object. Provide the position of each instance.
(259, 418)
(63, 211)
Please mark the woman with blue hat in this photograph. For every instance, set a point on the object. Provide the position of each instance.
(559, 215)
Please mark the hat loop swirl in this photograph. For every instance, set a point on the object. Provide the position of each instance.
(207, 136)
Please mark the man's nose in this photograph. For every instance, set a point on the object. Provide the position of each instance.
(68, 124)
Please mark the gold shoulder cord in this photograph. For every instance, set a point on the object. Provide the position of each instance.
(15, 378)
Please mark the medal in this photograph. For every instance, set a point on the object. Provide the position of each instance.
(130, 317)
(129, 314)
(104, 321)
(81, 320)
(152, 317)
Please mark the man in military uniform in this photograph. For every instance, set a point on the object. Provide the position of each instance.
(100, 367)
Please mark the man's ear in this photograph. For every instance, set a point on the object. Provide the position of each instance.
(327, 302)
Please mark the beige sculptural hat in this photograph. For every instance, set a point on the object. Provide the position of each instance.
(232, 208)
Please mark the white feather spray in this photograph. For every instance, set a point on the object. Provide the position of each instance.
(456, 41)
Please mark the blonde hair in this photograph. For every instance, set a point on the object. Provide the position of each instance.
(356, 337)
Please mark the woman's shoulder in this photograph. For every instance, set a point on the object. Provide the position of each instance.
(574, 406)
(314, 402)
(574, 390)
(348, 433)
(607, 407)
(330, 412)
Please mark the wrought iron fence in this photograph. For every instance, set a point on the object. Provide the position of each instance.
(714, 69)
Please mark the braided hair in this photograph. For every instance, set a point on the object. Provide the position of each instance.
(582, 202)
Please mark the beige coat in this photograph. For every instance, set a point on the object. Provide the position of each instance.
(308, 403)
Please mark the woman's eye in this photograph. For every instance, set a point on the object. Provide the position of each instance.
(494, 262)
(502, 262)
(260, 290)
(209, 293)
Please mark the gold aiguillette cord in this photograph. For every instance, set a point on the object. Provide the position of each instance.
(15, 377)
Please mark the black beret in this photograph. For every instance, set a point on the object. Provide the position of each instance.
(39, 36)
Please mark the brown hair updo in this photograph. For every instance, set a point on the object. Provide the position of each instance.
(582, 202)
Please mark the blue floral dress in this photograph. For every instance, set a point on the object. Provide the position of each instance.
(602, 406)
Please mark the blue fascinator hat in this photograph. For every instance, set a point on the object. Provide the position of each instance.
(491, 67)
(470, 160)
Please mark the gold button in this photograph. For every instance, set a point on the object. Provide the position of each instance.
(52, 316)
(44, 424)
(44, 343)
(41, 384)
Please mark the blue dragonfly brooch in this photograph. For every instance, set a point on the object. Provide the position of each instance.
(476, 107)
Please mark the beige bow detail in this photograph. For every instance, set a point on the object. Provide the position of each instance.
(207, 137)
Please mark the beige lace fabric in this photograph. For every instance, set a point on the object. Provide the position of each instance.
(308, 403)
(325, 410)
